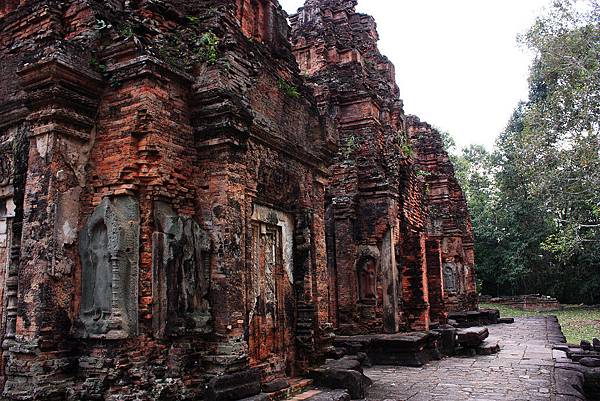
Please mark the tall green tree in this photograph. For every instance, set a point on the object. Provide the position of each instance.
(561, 121)
(536, 207)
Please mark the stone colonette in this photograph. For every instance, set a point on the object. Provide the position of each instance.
(191, 202)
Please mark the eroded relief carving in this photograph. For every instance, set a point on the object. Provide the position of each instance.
(96, 301)
(449, 278)
(5, 169)
(366, 271)
(181, 269)
(367, 280)
(109, 249)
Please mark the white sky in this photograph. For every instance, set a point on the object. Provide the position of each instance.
(458, 63)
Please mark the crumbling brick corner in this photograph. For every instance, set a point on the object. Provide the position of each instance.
(449, 221)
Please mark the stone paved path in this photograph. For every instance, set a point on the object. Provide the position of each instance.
(522, 370)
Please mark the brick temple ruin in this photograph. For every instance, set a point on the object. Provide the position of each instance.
(195, 196)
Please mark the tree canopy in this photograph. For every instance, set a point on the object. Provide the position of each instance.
(535, 200)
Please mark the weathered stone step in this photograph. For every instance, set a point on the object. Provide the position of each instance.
(472, 337)
(296, 387)
(343, 374)
(402, 349)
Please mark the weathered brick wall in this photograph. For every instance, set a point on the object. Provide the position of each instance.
(128, 104)
(168, 214)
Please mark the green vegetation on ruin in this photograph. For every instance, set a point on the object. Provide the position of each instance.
(287, 88)
(207, 48)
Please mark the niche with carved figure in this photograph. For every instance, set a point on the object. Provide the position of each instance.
(450, 284)
(367, 274)
(367, 280)
(96, 296)
(109, 250)
(181, 274)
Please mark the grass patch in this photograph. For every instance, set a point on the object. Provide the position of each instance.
(577, 323)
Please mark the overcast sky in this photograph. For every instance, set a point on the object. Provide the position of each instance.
(458, 63)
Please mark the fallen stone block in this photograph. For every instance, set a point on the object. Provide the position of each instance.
(409, 349)
(234, 386)
(346, 363)
(447, 339)
(364, 360)
(353, 344)
(466, 352)
(489, 316)
(488, 347)
(275, 385)
(472, 337)
(458, 319)
(506, 320)
(474, 318)
(569, 383)
(361, 357)
(345, 373)
(590, 362)
(591, 383)
(336, 353)
(433, 346)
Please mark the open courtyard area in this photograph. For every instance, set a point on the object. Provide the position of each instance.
(522, 370)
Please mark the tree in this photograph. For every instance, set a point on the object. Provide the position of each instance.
(561, 122)
(536, 209)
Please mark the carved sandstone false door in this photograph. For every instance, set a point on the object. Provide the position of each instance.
(268, 328)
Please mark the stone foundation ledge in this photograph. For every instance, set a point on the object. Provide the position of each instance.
(577, 371)
(536, 302)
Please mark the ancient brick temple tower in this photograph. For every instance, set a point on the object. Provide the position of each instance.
(181, 217)
(385, 259)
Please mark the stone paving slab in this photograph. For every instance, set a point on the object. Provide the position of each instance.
(523, 370)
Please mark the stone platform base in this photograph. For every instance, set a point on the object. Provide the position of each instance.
(403, 349)
(535, 303)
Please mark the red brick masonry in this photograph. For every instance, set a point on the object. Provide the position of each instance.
(190, 203)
